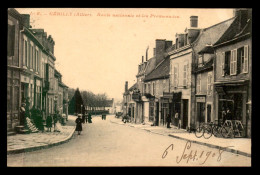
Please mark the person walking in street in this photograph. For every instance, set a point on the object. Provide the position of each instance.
(55, 120)
(86, 118)
(168, 120)
(78, 122)
(49, 123)
(22, 114)
(89, 118)
(177, 116)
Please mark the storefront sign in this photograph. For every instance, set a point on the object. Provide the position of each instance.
(25, 79)
(167, 95)
(201, 99)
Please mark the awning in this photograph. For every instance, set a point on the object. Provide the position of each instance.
(231, 83)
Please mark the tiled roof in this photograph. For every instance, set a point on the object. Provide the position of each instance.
(161, 71)
(234, 31)
(147, 66)
(210, 35)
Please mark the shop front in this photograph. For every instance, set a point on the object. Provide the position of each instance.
(233, 97)
(176, 103)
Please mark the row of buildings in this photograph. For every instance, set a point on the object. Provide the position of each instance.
(31, 73)
(205, 72)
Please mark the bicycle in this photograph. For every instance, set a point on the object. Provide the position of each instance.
(232, 128)
(217, 129)
(204, 130)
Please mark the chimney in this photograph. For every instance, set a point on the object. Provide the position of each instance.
(126, 86)
(26, 18)
(194, 21)
(154, 52)
(147, 53)
(142, 59)
(243, 15)
(160, 45)
(168, 44)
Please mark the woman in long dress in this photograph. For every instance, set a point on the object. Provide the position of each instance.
(78, 122)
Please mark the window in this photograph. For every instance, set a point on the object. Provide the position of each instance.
(175, 75)
(245, 63)
(226, 63)
(185, 71)
(11, 40)
(199, 83)
(25, 59)
(233, 62)
(153, 88)
(200, 61)
(37, 60)
(209, 83)
(149, 88)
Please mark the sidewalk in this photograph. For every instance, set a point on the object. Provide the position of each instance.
(29, 142)
(241, 146)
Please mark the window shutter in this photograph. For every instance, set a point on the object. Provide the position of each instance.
(223, 64)
(231, 62)
(245, 70)
(177, 72)
(184, 74)
(235, 61)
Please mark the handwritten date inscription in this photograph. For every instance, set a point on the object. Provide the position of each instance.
(193, 155)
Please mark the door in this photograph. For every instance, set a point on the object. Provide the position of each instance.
(208, 113)
(185, 113)
(157, 114)
(201, 112)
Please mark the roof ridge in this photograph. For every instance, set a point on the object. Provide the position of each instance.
(218, 23)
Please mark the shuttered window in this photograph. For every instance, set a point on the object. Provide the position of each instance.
(233, 62)
(245, 65)
(223, 64)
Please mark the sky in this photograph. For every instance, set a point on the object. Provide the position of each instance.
(99, 49)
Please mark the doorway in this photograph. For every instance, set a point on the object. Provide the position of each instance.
(157, 114)
(200, 112)
(185, 103)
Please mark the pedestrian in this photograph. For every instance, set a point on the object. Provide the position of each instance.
(78, 122)
(22, 114)
(49, 123)
(229, 114)
(168, 120)
(55, 120)
(178, 119)
(89, 118)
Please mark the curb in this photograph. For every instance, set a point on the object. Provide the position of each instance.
(201, 143)
(34, 148)
(214, 146)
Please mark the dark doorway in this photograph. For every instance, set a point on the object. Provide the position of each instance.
(201, 112)
(157, 114)
(208, 113)
(185, 113)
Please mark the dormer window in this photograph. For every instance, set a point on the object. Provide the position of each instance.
(177, 43)
(200, 61)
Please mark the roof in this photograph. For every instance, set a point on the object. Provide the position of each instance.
(161, 71)
(147, 66)
(210, 35)
(109, 103)
(134, 86)
(234, 31)
(207, 66)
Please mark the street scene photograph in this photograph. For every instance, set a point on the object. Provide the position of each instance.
(129, 87)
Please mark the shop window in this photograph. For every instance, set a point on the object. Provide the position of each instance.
(175, 75)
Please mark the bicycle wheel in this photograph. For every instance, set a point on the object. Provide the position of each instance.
(207, 132)
(224, 132)
(215, 131)
(199, 132)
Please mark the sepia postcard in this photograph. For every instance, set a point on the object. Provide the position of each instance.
(129, 87)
